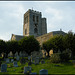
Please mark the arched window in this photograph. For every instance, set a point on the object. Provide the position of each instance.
(35, 30)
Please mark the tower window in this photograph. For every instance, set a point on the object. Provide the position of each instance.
(34, 18)
(25, 31)
(37, 18)
(35, 25)
(35, 30)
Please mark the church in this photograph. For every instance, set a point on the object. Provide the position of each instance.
(35, 24)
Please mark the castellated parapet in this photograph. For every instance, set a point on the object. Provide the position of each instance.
(34, 24)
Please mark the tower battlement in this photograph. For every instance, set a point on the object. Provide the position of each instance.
(34, 24)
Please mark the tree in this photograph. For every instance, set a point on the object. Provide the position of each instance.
(54, 43)
(29, 44)
(3, 46)
(69, 42)
(12, 46)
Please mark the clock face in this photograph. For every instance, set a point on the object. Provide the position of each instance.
(25, 26)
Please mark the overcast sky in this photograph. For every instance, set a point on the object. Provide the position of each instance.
(59, 14)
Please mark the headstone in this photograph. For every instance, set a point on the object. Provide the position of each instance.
(7, 60)
(3, 67)
(11, 54)
(12, 60)
(16, 54)
(42, 61)
(27, 69)
(33, 73)
(37, 60)
(22, 61)
(20, 54)
(15, 64)
(43, 72)
(17, 57)
(29, 57)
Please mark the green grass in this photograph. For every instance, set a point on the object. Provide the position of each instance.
(64, 68)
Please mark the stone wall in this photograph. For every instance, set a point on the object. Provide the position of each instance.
(44, 37)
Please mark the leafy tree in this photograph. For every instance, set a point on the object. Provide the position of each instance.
(29, 44)
(69, 42)
(54, 43)
(3, 46)
(12, 46)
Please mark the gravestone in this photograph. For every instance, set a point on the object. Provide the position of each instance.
(29, 57)
(7, 60)
(20, 54)
(16, 54)
(42, 61)
(33, 73)
(15, 64)
(17, 57)
(3, 67)
(22, 61)
(27, 69)
(11, 54)
(36, 60)
(43, 72)
(12, 60)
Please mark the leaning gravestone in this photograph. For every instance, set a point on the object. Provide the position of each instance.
(27, 69)
(36, 60)
(3, 67)
(43, 72)
(15, 64)
(7, 60)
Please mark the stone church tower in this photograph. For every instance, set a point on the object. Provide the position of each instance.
(34, 24)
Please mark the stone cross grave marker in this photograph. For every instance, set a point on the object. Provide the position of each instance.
(3, 67)
(27, 69)
(36, 60)
(7, 60)
(15, 64)
(43, 72)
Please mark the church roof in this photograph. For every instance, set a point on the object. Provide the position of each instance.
(17, 37)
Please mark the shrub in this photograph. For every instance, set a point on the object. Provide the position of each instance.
(55, 58)
(65, 56)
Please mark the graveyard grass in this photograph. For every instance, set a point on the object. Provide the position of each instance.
(64, 68)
